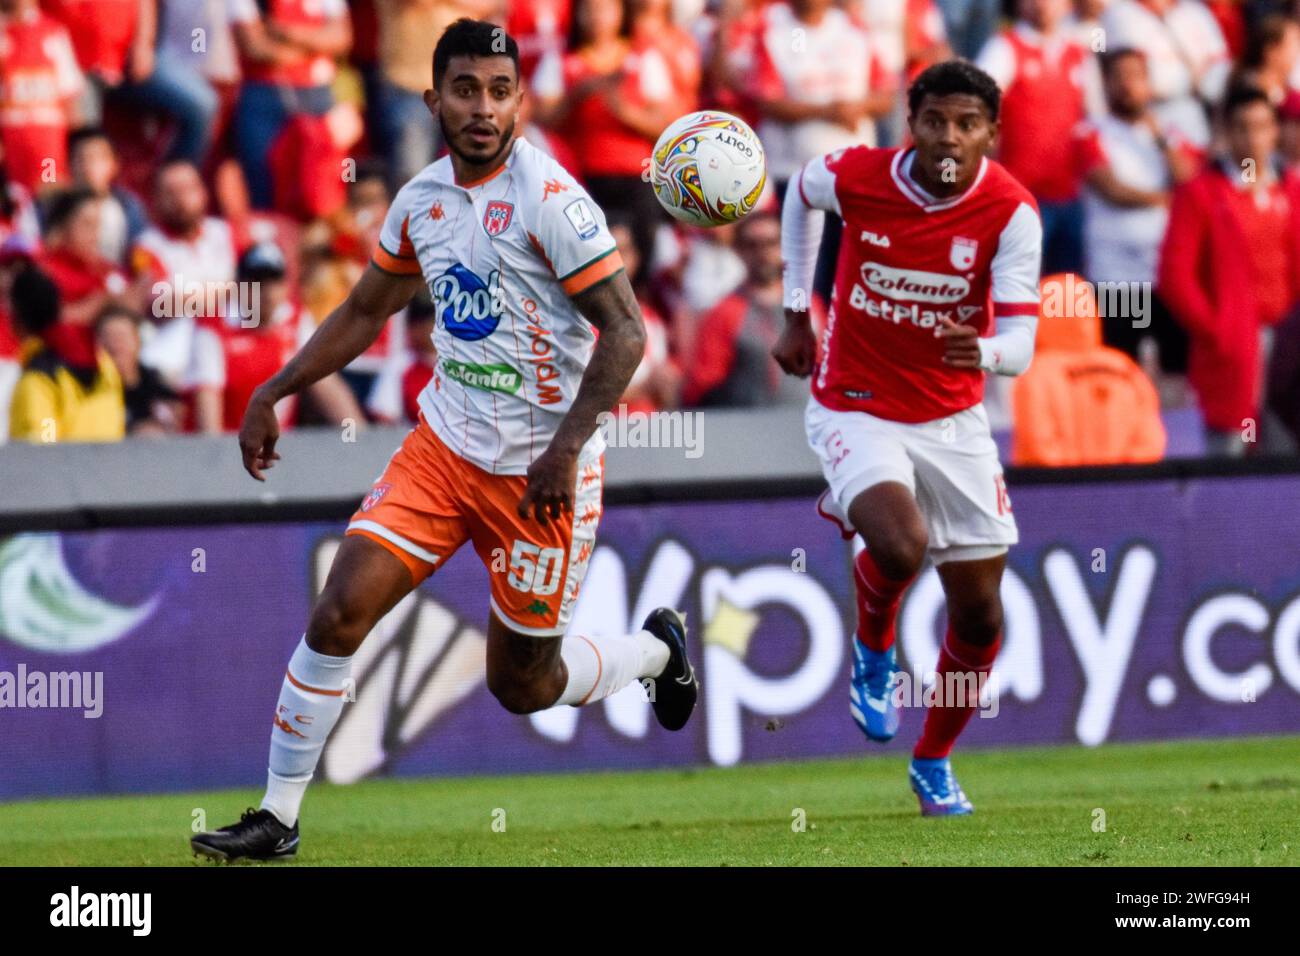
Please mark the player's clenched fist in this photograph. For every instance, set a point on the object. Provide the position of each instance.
(961, 344)
(258, 434)
(796, 350)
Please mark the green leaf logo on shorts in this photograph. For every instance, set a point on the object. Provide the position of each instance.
(490, 378)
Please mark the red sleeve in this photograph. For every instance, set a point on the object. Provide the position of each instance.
(1180, 262)
(766, 82)
(715, 349)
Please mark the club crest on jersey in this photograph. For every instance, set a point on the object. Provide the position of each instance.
(497, 217)
(376, 493)
(962, 253)
(468, 307)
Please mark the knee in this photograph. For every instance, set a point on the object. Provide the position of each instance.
(517, 697)
(900, 553)
(977, 621)
(337, 626)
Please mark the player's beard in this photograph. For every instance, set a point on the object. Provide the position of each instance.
(507, 137)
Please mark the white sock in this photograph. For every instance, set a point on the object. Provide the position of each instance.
(311, 700)
(599, 665)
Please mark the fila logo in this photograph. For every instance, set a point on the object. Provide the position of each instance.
(875, 240)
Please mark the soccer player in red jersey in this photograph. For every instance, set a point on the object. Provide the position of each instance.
(936, 284)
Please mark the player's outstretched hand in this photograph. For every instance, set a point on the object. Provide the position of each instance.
(551, 480)
(961, 344)
(796, 350)
(258, 434)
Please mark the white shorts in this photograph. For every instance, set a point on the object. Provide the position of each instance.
(950, 464)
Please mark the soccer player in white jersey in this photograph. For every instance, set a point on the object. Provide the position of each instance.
(937, 284)
(506, 454)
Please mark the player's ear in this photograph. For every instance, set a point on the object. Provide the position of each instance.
(431, 101)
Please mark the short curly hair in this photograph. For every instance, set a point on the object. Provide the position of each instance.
(953, 77)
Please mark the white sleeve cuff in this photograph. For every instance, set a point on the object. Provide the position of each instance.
(1010, 350)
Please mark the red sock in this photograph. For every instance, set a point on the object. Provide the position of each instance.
(878, 598)
(944, 724)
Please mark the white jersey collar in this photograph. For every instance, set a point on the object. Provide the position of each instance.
(901, 171)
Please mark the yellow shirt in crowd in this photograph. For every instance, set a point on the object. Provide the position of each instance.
(50, 405)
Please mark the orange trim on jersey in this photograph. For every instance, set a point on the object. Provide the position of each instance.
(312, 690)
(537, 245)
(593, 272)
(407, 249)
(488, 178)
(600, 669)
(397, 265)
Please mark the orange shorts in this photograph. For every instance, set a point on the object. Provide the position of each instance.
(429, 501)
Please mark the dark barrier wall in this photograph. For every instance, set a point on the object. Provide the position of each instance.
(1167, 608)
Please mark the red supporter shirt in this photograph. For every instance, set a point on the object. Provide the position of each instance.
(310, 70)
(101, 31)
(604, 146)
(906, 261)
(539, 27)
(1264, 218)
(38, 73)
(414, 379)
(1042, 103)
(237, 360)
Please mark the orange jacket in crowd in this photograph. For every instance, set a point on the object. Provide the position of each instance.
(1081, 402)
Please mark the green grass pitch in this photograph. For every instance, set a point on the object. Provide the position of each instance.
(1221, 802)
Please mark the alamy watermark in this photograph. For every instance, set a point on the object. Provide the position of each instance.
(82, 690)
(677, 429)
(1073, 297)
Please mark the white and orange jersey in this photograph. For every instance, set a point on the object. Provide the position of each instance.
(502, 257)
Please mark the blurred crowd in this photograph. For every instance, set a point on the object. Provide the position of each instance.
(152, 151)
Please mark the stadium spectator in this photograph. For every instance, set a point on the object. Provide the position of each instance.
(152, 406)
(1080, 402)
(1228, 270)
(186, 256)
(1282, 393)
(113, 41)
(1043, 73)
(232, 358)
(287, 56)
(731, 362)
(395, 397)
(627, 73)
(1131, 161)
(40, 83)
(657, 380)
(819, 87)
(195, 77)
(64, 394)
(1186, 54)
(906, 36)
(540, 28)
(87, 281)
(122, 216)
(1270, 57)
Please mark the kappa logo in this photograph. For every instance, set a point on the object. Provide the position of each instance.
(962, 252)
(497, 217)
(375, 494)
(436, 212)
(553, 187)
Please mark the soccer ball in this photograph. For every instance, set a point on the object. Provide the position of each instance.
(708, 169)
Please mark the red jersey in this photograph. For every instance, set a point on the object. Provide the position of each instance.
(38, 74)
(1042, 102)
(237, 360)
(908, 260)
(101, 31)
(310, 70)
